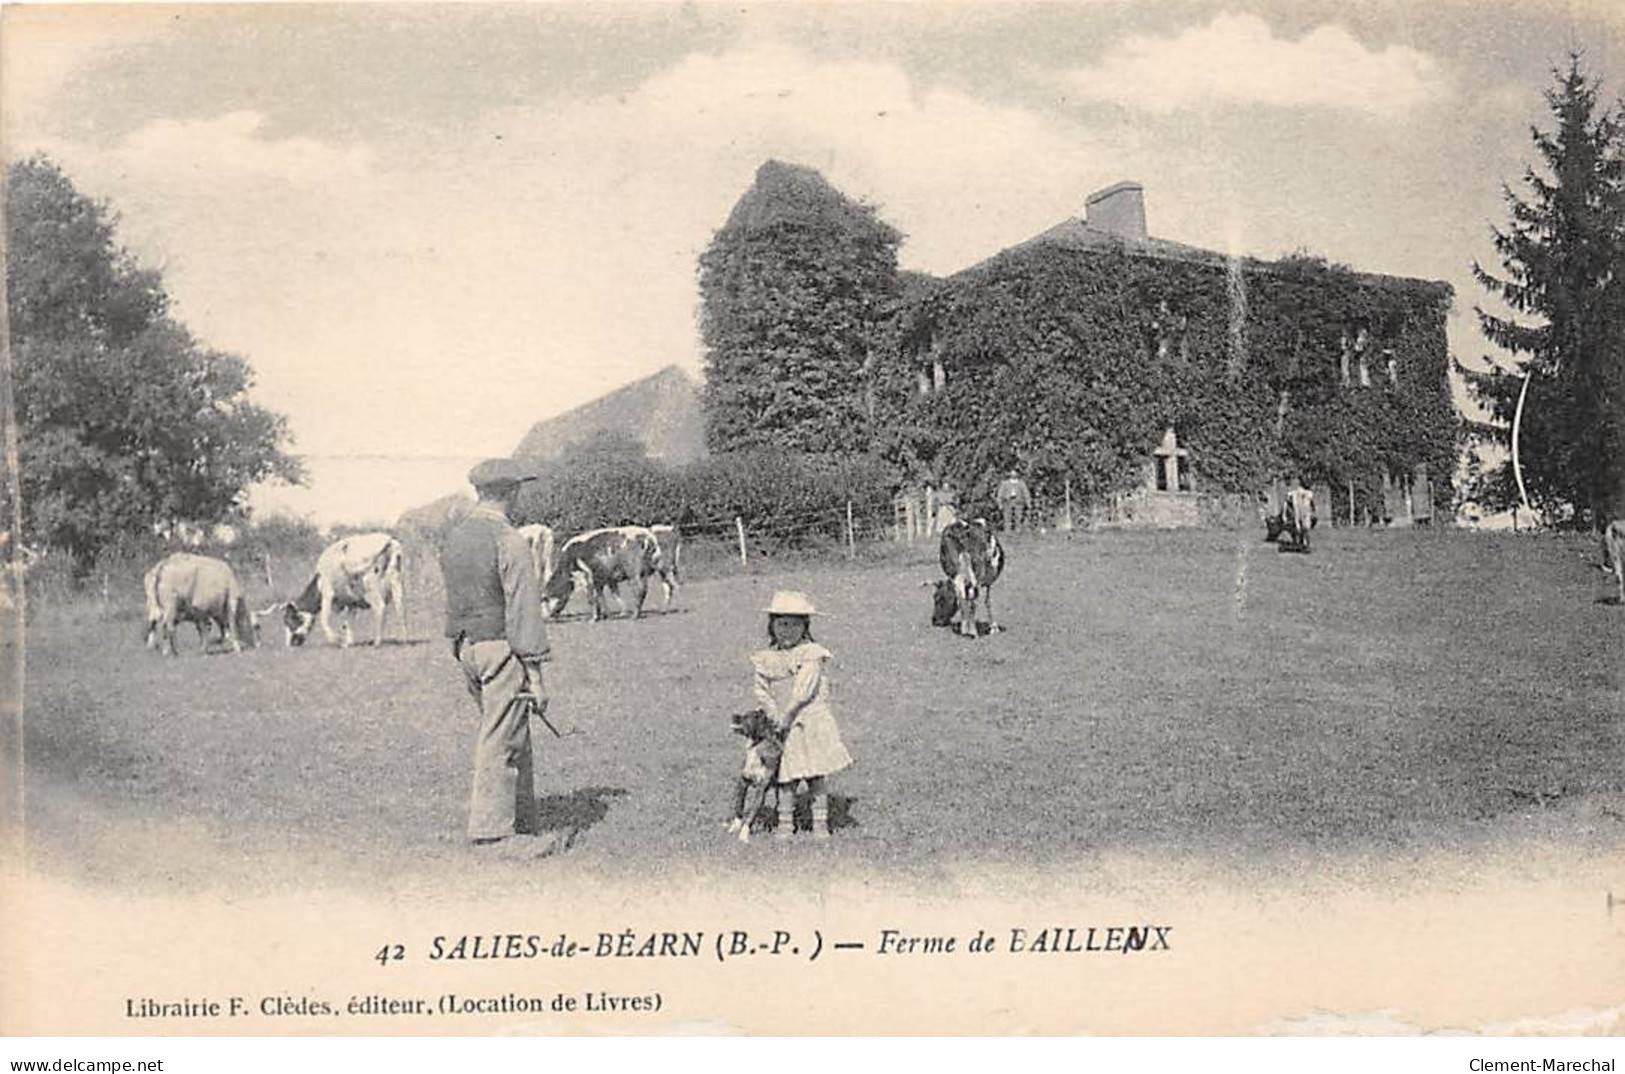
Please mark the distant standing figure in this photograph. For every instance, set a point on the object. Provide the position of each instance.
(498, 638)
(793, 691)
(1014, 498)
(1300, 515)
(947, 505)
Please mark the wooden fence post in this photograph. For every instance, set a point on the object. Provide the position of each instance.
(851, 544)
(1068, 523)
(1351, 502)
(739, 524)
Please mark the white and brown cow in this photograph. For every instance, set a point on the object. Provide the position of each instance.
(359, 572)
(540, 539)
(186, 587)
(1613, 553)
(972, 559)
(669, 539)
(1299, 517)
(600, 559)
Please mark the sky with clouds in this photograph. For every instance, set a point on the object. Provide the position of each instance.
(429, 226)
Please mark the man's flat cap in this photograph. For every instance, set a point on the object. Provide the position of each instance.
(500, 472)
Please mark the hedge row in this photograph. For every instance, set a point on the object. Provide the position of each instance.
(786, 499)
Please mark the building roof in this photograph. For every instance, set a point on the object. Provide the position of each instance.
(1077, 234)
(661, 411)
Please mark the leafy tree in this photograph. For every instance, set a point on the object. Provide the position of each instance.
(795, 288)
(1562, 254)
(126, 422)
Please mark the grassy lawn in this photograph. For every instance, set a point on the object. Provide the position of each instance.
(1187, 693)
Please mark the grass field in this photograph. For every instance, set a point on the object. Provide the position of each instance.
(1188, 693)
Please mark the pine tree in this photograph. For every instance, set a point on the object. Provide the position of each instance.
(1563, 253)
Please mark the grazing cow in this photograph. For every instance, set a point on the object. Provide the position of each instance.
(1299, 517)
(669, 539)
(973, 559)
(1613, 553)
(363, 571)
(186, 587)
(600, 558)
(540, 539)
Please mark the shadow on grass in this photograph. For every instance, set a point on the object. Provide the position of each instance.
(576, 811)
(983, 629)
(840, 814)
(359, 645)
(586, 616)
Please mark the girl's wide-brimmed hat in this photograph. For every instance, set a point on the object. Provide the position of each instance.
(790, 602)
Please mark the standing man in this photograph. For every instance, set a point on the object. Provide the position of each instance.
(1014, 499)
(494, 621)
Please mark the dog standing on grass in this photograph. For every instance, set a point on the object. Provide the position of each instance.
(764, 747)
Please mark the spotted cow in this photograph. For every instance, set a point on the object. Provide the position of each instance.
(604, 559)
(972, 558)
(355, 573)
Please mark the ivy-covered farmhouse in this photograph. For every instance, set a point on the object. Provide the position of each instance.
(1143, 374)
(1133, 364)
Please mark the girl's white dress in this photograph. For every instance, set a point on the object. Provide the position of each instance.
(792, 681)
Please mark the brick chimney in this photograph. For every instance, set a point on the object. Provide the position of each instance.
(1117, 210)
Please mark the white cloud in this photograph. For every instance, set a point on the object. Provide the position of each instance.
(548, 249)
(232, 146)
(438, 300)
(960, 176)
(45, 46)
(1237, 59)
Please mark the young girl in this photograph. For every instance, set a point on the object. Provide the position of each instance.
(794, 692)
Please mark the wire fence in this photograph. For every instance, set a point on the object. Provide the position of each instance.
(275, 566)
